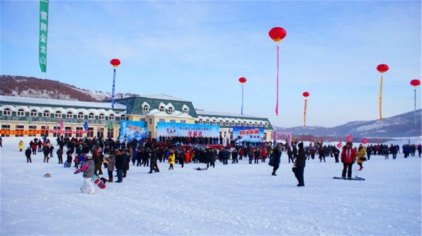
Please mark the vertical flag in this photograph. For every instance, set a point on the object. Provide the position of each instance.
(110, 125)
(86, 126)
(43, 35)
(340, 144)
(61, 124)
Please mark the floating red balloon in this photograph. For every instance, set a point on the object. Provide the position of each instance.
(277, 34)
(382, 68)
(306, 94)
(115, 62)
(415, 82)
(242, 80)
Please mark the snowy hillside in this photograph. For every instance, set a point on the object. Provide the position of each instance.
(43, 88)
(403, 125)
(237, 199)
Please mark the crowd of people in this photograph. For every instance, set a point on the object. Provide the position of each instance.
(115, 156)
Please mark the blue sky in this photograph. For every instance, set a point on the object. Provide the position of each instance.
(197, 50)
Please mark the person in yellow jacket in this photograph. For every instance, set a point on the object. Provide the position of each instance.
(172, 159)
(20, 145)
(361, 156)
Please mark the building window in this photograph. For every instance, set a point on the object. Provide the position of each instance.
(150, 121)
(123, 117)
(183, 121)
(7, 112)
(69, 115)
(19, 129)
(67, 131)
(34, 113)
(162, 120)
(161, 108)
(172, 121)
(90, 133)
(100, 132)
(57, 131)
(5, 128)
(185, 110)
(44, 130)
(111, 117)
(110, 133)
(145, 108)
(21, 112)
(170, 110)
(32, 130)
(80, 115)
(79, 132)
(101, 116)
(91, 116)
(46, 113)
(58, 114)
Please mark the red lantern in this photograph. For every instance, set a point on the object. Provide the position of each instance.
(415, 82)
(115, 62)
(242, 80)
(382, 68)
(277, 34)
(306, 94)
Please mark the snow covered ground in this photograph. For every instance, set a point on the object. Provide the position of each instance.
(238, 199)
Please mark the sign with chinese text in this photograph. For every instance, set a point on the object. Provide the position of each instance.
(248, 134)
(187, 130)
(42, 50)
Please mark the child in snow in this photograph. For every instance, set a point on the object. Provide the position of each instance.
(361, 156)
(88, 172)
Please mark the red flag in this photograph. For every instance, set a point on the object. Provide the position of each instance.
(349, 138)
(364, 141)
(339, 144)
(61, 125)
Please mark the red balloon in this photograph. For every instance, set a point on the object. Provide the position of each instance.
(277, 34)
(115, 62)
(415, 82)
(242, 80)
(305, 94)
(382, 68)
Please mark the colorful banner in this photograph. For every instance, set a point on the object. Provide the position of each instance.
(248, 134)
(39, 132)
(187, 130)
(43, 35)
(130, 130)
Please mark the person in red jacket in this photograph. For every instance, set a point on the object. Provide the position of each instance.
(348, 157)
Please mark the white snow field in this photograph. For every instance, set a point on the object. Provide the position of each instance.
(239, 199)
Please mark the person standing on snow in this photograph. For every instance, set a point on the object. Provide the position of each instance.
(275, 158)
(171, 159)
(348, 157)
(88, 172)
(299, 165)
(153, 167)
(361, 156)
(28, 155)
(20, 146)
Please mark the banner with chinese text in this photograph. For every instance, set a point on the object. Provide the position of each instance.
(187, 130)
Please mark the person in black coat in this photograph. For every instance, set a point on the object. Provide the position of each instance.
(153, 164)
(299, 166)
(28, 152)
(275, 158)
(119, 163)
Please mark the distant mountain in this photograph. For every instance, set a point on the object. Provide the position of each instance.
(403, 125)
(44, 88)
